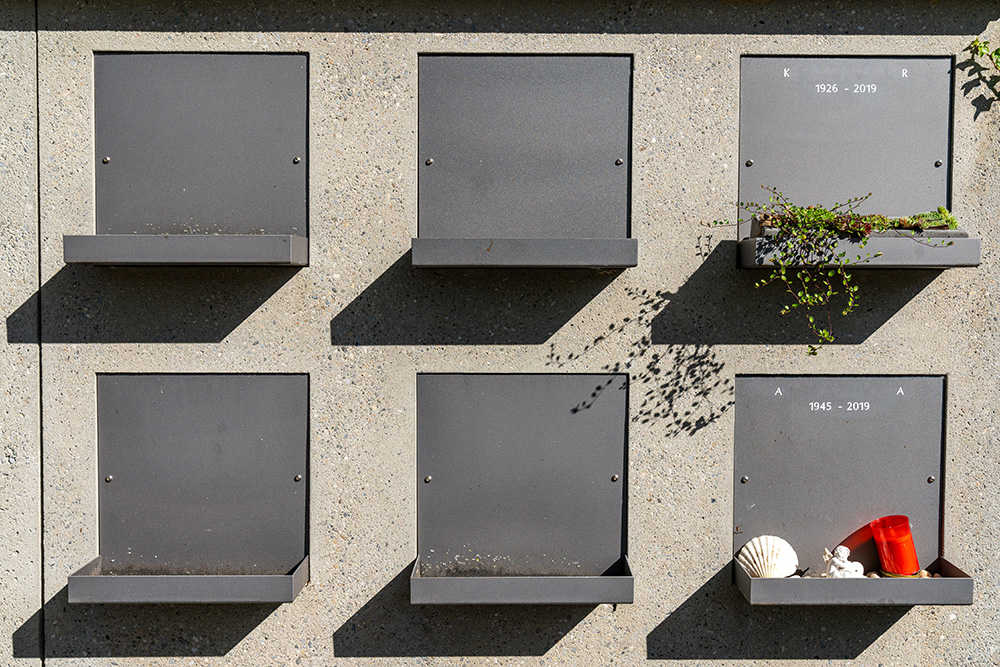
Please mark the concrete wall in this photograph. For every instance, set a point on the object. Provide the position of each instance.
(20, 474)
(362, 323)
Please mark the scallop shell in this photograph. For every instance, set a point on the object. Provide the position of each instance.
(768, 556)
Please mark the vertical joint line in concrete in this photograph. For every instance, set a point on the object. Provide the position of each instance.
(41, 436)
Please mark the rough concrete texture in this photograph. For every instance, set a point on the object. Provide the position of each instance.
(20, 474)
(362, 323)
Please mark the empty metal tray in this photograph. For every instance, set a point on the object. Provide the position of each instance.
(203, 489)
(521, 489)
(200, 158)
(524, 160)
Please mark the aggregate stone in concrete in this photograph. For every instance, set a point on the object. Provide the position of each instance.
(362, 323)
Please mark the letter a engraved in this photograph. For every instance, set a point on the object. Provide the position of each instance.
(900, 392)
(904, 74)
(778, 393)
(786, 71)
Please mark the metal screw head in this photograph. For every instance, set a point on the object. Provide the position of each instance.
(749, 163)
(614, 478)
(296, 160)
(427, 480)
(619, 162)
(938, 163)
(298, 478)
(108, 478)
(429, 161)
(106, 159)
(744, 479)
(930, 480)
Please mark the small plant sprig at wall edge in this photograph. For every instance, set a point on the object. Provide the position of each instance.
(806, 260)
(981, 49)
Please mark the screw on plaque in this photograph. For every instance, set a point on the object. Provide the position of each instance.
(744, 479)
(429, 161)
(938, 163)
(108, 478)
(427, 480)
(614, 478)
(930, 480)
(298, 478)
(106, 159)
(619, 162)
(749, 163)
(296, 160)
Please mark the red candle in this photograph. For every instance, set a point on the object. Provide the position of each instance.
(895, 545)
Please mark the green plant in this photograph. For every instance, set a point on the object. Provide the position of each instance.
(806, 259)
(981, 49)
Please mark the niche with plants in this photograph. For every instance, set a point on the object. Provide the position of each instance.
(832, 180)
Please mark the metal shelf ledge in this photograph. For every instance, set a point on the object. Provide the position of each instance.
(525, 253)
(953, 587)
(90, 584)
(895, 250)
(187, 250)
(614, 588)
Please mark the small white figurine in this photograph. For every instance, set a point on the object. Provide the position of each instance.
(837, 565)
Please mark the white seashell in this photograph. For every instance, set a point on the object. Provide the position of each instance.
(768, 556)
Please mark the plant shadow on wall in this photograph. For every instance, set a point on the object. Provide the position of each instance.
(984, 79)
(136, 630)
(409, 306)
(719, 305)
(97, 304)
(811, 252)
(717, 623)
(389, 626)
(676, 386)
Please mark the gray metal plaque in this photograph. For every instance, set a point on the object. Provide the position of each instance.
(527, 474)
(825, 455)
(824, 130)
(202, 473)
(192, 143)
(524, 147)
